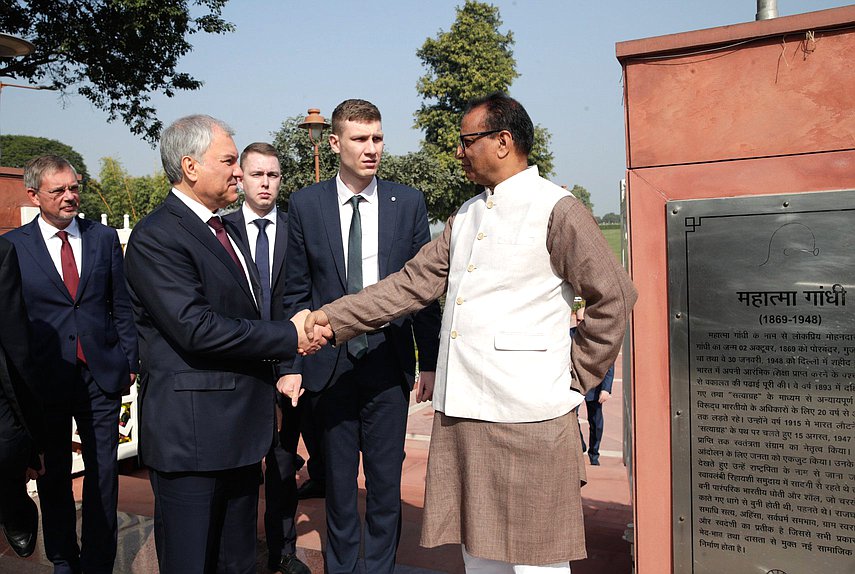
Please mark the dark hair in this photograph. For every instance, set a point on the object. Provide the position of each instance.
(353, 111)
(261, 148)
(505, 113)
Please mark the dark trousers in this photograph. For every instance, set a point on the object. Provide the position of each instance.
(311, 427)
(280, 482)
(365, 410)
(16, 506)
(97, 417)
(596, 424)
(205, 522)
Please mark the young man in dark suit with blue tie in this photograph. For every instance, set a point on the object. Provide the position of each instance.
(343, 234)
(262, 227)
(207, 355)
(82, 327)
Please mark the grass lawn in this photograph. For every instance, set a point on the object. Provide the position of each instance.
(612, 233)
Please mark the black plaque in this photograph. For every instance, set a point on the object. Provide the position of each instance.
(762, 304)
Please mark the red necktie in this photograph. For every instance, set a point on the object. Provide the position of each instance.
(70, 276)
(223, 238)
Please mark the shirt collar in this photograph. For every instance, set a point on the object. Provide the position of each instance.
(249, 215)
(519, 178)
(344, 194)
(200, 210)
(49, 230)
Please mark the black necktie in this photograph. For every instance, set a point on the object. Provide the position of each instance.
(359, 344)
(262, 261)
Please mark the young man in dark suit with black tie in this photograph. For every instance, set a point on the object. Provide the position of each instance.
(262, 227)
(81, 325)
(343, 234)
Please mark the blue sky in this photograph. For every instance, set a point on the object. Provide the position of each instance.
(289, 55)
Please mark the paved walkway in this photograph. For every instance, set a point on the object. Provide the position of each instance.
(605, 497)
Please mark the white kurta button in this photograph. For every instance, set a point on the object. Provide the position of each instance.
(454, 334)
(471, 268)
(459, 301)
(490, 204)
(481, 235)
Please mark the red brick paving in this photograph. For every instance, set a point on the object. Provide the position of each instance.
(606, 503)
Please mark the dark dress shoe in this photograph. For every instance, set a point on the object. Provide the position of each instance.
(290, 564)
(595, 461)
(312, 489)
(23, 541)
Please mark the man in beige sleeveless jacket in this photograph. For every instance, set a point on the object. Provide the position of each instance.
(510, 261)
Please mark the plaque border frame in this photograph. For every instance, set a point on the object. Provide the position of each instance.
(678, 227)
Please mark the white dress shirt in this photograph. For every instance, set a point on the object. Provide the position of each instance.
(249, 216)
(369, 214)
(54, 243)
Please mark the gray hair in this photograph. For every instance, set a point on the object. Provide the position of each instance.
(188, 136)
(37, 167)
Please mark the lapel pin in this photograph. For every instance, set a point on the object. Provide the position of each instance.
(394, 198)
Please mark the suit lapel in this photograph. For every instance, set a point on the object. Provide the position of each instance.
(279, 245)
(237, 227)
(238, 234)
(387, 215)
(39, 253)
(329, 212)
(200, 231)
(89, 246)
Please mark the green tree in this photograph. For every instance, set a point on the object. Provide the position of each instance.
(116, 194)
(611, 218)
(16, 151)
(424, 171)
(474, 58)
(115, 52)
(582, 195)
(297, 158)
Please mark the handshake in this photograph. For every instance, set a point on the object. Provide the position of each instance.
(313, 331)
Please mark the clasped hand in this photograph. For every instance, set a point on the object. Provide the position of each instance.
(310, 337)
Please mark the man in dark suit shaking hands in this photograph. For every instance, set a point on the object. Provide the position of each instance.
(344, 234)
(82, 328)
(207, 358)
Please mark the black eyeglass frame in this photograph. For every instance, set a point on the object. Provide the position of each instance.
(477, 136)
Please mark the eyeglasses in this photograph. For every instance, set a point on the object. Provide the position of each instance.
(475, 137)
(60, 191)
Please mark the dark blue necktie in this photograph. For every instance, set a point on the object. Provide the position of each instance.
(359, 344)
(262, 261)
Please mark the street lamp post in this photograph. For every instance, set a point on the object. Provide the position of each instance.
(315, 124)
